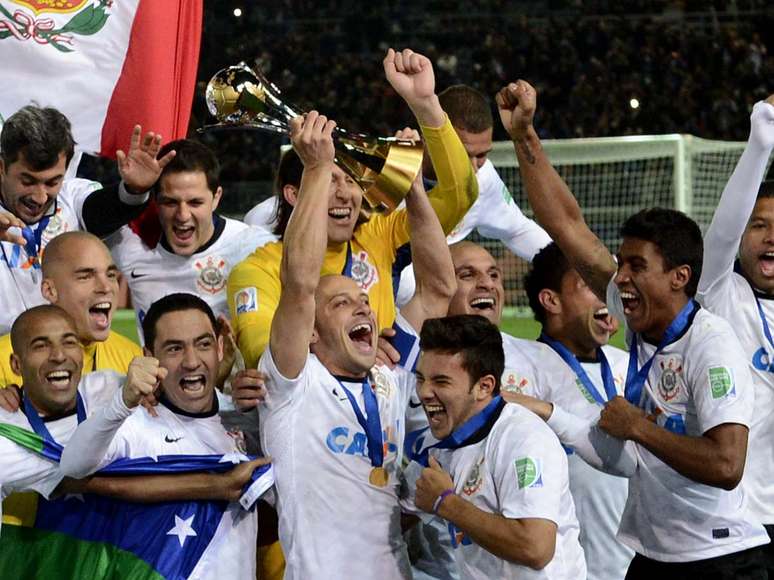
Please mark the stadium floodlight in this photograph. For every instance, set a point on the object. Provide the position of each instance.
(237, 12)
(634, 103)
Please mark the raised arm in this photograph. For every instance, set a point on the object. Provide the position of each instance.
(411, 75)
(305, 241)
(89, 447)
(721, 241)
(555, 207)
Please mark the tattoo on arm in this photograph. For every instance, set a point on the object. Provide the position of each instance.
(526, 151)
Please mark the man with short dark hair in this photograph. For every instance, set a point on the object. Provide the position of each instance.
(741, 291)
(198, 248)
(496, 473)
(36, 146)
(681, 431)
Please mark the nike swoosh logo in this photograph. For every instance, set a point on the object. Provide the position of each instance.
(135, 275)
(169, 439)
(414, 405)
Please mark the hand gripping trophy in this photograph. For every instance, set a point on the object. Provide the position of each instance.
(384, 167)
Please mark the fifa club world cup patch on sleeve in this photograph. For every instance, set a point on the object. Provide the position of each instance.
(246, 300)
(721, 381)
(529, 472)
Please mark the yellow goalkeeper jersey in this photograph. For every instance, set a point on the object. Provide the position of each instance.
(254, 284)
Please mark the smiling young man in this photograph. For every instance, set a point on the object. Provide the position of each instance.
(36, 146)
(183, 349)
(198, 247)
(681, 431)
(80, 277)
(362, 250)
(742, 291)
(496, 473)
(576, 326)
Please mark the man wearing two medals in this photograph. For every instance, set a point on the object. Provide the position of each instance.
(742, 292)
(681, 431)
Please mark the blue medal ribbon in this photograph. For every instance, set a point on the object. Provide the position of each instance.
(635, 379)
(37, 423)
(460, 436)
(765, 323)
(347, 269)
(33, 240)
(370, 422)
(607, 374)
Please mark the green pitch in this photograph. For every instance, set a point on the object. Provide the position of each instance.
(123, 322)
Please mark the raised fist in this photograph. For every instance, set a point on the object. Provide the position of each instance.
(762, 123)
(144, 376)
(517, 103)
(410, 74)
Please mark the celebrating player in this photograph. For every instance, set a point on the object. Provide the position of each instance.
(688, 394)
(497, 474)
(741, 293)
(364, 251)
(35, 148)
(576, 326)
(198, 247)
(184, 351)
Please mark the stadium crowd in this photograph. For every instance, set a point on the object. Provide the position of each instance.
(346, 365)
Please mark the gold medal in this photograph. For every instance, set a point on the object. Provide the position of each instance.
(378, 477)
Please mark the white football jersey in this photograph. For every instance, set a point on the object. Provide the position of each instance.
(519, 470)
(153, 273)
(333, 523)
(263, 215)
(231, 552)
(599, 497)
(699, 381)
(19, 279)
(23, 470)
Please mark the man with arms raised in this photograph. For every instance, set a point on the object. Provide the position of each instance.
(496, 474)
(198, 248)
(36, 146)
(576, 326)
(184, 351)
(362, 250)
(742, 292)
(680, 433)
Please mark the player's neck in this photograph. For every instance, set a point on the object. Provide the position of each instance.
(583, 347)
(50, 412)
(668, 312)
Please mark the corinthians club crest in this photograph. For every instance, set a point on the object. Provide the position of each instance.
(26, 23)
(671, 379)
(474, 479)
(212, 274)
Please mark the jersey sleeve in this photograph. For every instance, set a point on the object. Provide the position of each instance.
(280, 390)
(721, 383)
(721, 241)
(501, 219)
(529, 471)
(253, 292)
(457, 187)
(406, 342)
(264, 214)
(79, 190)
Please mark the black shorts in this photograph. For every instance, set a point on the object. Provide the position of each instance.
(745, 565)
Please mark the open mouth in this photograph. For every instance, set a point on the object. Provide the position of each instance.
(766, 261)
(630, 301)
(483, 303)
(602, 317)
(59, 379)
(436, 413)
(340, 213)
(193, 383)
(100, 315)
(183, 233)
(32, 206)
(362, 336)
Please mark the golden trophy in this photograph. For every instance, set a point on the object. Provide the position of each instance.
(384, 167)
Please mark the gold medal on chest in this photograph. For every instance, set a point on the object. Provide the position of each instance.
(379, 477)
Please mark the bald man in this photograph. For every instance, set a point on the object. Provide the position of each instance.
(79, 275)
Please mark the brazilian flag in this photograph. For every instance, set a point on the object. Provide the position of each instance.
(94, 537)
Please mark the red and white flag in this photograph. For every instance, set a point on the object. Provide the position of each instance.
(106, 64)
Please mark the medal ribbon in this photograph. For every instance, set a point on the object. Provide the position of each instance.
(765, 323)
(370, 422)
(572, 361)
(37, 423)
(635, 379)
(460, 436)
(32, 239)
(347, 269)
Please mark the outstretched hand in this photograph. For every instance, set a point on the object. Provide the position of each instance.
(762, 123)
(139, 168)
(517, 103)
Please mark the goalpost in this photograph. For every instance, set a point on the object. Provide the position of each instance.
(613, 177)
